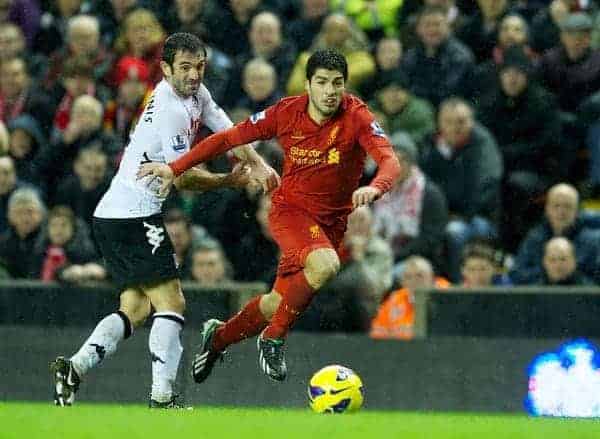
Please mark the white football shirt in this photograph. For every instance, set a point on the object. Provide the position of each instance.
(164, 131)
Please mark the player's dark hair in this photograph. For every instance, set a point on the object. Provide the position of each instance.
(181, 41)
(329, 59)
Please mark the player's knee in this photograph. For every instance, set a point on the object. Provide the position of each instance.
(269, 304)
(321, 265)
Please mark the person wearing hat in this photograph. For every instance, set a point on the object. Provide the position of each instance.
(572, 70)
(525, 120)
(403, 110)
(413, 216)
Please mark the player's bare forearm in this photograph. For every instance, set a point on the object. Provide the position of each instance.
(246, 153)
(198, 179)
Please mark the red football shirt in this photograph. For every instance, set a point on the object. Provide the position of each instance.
(322, 163)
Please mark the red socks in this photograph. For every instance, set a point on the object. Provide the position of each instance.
(296, 296)
(246, 323)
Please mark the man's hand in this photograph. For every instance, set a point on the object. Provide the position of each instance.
(158, 171)
(363, 196)
(239, 176)
(264, 176)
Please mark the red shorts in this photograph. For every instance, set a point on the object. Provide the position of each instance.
(297, 234)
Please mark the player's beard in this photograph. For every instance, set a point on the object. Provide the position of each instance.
(184, 88)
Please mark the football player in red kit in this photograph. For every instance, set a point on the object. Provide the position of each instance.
(326, 135)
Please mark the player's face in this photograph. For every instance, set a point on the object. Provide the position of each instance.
(186, 73)
(325, 90)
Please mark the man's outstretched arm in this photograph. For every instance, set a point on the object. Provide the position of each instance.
(200, 179)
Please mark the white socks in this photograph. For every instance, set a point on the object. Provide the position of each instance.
(165, 351)
(102, 343)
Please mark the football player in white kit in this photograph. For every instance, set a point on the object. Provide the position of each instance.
(128, 224)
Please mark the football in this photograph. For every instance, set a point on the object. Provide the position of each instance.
(335, 389)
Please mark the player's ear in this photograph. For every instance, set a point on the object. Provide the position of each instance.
(166, 68)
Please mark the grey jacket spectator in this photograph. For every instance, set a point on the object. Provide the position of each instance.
(469, 173)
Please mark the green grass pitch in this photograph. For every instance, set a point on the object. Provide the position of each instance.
(91, 421)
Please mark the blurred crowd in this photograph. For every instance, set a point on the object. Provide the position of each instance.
(493, 109)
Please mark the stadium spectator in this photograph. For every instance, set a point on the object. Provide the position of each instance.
(209, 263)
(513, 31)
(53, 26)
(480, 266)
(65, 251)
(260, 86)
(572, 70)
(13, 45)
(55, 160)
(26, 139)
(375, 18)
(267, 42)
(413, 216)
(4, 139)
(525, 120)
(133, 91)
(229, 24)
(77, 80)
(19, 95)
(480, 30)
(256, 256)
(180, 230)
(395, 318)
(24, 13)
(545, 25)
(82, 41)
(187, 16)
(141, 35)
(440, 65)
(302, 29)
(388, 55)
(8, 184)
(26, 212)
(409, 16)
(562, 219)
(112, 14)
(82, 191)
(337, 32)
(463, 159)
(348, 301)
(560, 265)
(403, 111)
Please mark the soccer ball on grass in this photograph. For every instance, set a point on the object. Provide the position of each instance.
(335, 389)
